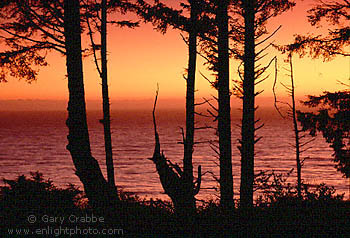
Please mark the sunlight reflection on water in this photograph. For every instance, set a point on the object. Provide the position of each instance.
(37, 141)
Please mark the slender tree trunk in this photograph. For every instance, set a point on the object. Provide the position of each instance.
(296, 129)
(178, 183)
(87, 168)
(189, 139)
(248, 118)
(224, 117)
(106, 107)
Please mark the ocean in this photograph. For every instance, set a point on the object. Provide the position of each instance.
(36, 141)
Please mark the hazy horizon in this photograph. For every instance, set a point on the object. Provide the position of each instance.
(125, 104)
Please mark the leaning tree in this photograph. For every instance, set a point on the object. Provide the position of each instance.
(178, 183)
(30, 29)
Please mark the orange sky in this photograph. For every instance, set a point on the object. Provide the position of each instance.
(141, 58)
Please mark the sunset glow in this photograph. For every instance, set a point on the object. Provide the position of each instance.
(237, 126)
(143, 57)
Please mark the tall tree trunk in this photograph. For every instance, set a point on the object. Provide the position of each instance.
(106, 107)
(296, 129)
(224, 117)
(189, 139)
(248, 118)
(178, 183)
(87, 168)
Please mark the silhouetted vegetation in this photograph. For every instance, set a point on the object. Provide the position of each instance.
(172, 177)
(97, 189)
(299, 144)
(332, 116)
(333, 120)
(96, 12)
(224, 106)
(102, 70)
(23, 197)
(318, 212)
(253, 16)
(36, 28)
(336, 41)
(163, 17)
(217, 30)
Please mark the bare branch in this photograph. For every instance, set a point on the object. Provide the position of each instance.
(270, 36)
(94, 48)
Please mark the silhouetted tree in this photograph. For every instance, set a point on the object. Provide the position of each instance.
(224, 107)
(332, 118)
(106, 109)
(190, 103)
(248, 116)
(100, 24)
(292, 113)
(163, 17)
(256, 14)
(247, 21)
(327, 47)
(33, 26)
(106, 121)
(88, 170)
(291, 90)
(212, 29)
(214, 47)
(172, 176)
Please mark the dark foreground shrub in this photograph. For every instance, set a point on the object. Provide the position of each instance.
(35, 196)
(319, 212)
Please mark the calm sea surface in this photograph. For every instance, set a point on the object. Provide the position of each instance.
(36, 141)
